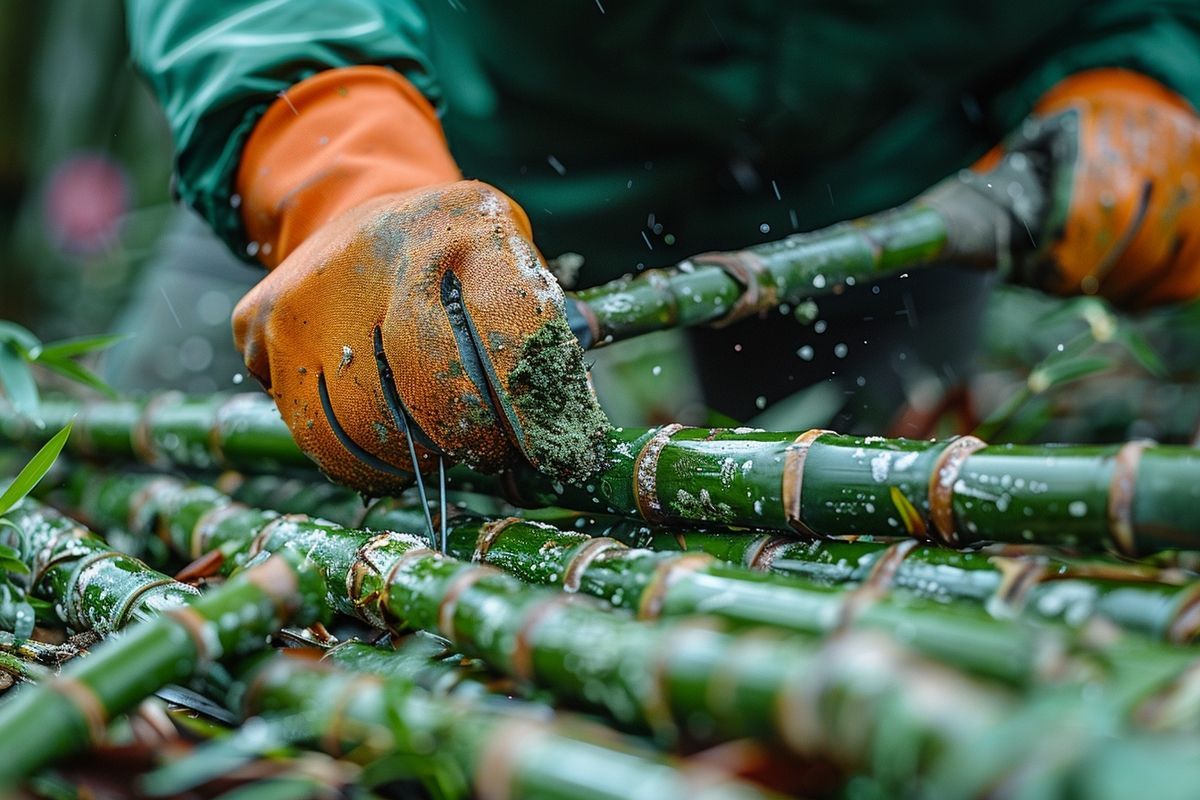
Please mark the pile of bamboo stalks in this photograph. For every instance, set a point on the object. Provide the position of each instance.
(715, 613)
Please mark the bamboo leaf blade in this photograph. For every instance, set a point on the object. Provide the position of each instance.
(33, 472)
(78, 373)
(77, 346)
(16, 380)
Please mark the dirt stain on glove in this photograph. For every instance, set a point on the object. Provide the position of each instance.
(564, 426)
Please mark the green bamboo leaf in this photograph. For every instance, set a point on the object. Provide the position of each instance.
(1055, 374)
(69, 348)
(284, 788)
(35, 470)
(10, 559)
(16, 615)
(1137, 346)
(78, 373)
(22, 337)
(17, 380)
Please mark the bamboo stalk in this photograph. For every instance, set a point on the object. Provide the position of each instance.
(98, 589)
(720, 288)
(597, 560)
(1134, 498)
(649, 584)
(363, 705)
(64, 714)
(673, 677)
(1006, 580)
(686, 677)
(92, 587)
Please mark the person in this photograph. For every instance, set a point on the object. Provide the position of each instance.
(392, 163)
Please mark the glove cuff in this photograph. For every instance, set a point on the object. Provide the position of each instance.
(1098, 86)
(332, 142)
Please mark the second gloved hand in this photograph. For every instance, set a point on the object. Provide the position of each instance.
(424, 315)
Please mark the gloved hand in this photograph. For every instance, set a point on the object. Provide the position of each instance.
(1119, 158)
(403, 301)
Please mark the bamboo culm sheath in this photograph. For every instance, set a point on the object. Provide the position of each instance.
(672, 677)
(1134, 498)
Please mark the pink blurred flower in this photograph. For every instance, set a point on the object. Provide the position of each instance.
(85, 198)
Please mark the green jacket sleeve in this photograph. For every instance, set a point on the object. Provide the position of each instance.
(216, 65)
(1159, 38)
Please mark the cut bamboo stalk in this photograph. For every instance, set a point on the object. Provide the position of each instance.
(66, 713)
(722, 288)
(96, 588)
(841, 699)
(91, 586)
(673, 677)
(1133, 498)
(1008, 581)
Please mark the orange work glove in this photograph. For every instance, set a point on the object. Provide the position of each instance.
(1122, 213)
(403, 301)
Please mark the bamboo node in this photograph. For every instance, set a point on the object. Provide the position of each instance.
(131, 601)
(77, 610)
(460, 583)
(942, 479)
(259, 542)
(883, 572)
(666, 574)
(585, 554)
(1186, 623)
(522, 652)
(495, 777)
(1121, 488)
(374, 606)
(84, 700)
(645, 473)
(208, 523)
(49, 556)
(141, 438)
(1018, 576)
(199, 630)
(489, 532)
(793, 480)
(276, 578)
(759, 292)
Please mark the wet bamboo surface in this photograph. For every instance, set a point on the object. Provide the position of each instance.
(660, 675)
(1007, 581)
(172, 632)
(1133, 498)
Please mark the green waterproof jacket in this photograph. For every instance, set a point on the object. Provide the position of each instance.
(639, 133)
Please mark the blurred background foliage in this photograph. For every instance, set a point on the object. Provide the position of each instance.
(84, 166)
(91, 243)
